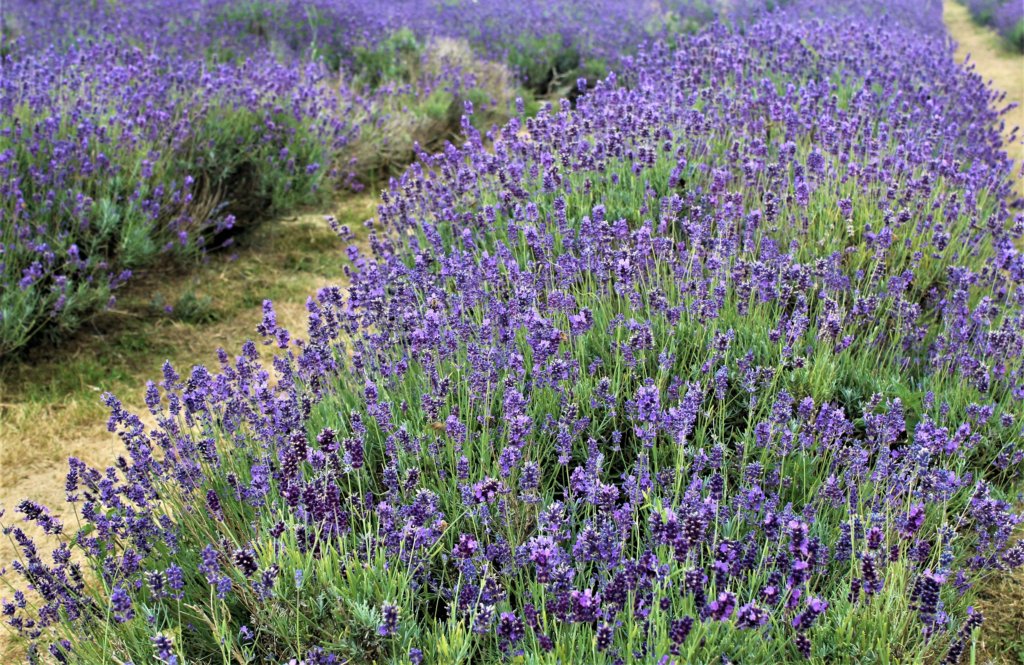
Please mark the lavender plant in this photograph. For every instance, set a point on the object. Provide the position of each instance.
(1005, 16)
(111, 157)
(1008, 21)
(721, 363)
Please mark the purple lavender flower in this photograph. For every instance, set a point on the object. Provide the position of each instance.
(389, 623)
(121, 604)
(815, 607)
(925, 596)
(163, 649)
(604, 635)
(722, 607)
(245, 559)
(466, 547)
(751, 616)
(510, 628)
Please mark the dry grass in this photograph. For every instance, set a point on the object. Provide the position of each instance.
(394, 124)
(1002, 635)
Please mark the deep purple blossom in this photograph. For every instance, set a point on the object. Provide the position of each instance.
(389, 622)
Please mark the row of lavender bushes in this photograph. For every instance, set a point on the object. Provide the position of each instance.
(143, 131)
(111, 157)
(1004, 16)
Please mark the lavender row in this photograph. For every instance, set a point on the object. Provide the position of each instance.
(1005, 16)
(111, 156)
(533, 35)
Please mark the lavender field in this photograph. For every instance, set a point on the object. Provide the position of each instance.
(653, 331)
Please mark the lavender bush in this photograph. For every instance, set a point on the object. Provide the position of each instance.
(111, 156)
(1008, 21)
(1005, 16)
(722, 363)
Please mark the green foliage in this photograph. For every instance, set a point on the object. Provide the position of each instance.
(685, 19)
(548, 66)
(394, 59)
(1016, 36)
(248, 171)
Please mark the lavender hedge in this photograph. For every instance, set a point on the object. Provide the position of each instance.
(545, 42)
(1004, 16)
(723, 364)
(111, 156)
(135, 133)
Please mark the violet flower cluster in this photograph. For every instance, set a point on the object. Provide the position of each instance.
(722, 363)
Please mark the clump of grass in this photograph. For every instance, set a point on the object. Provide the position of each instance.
(429, 89)
(188, 308)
